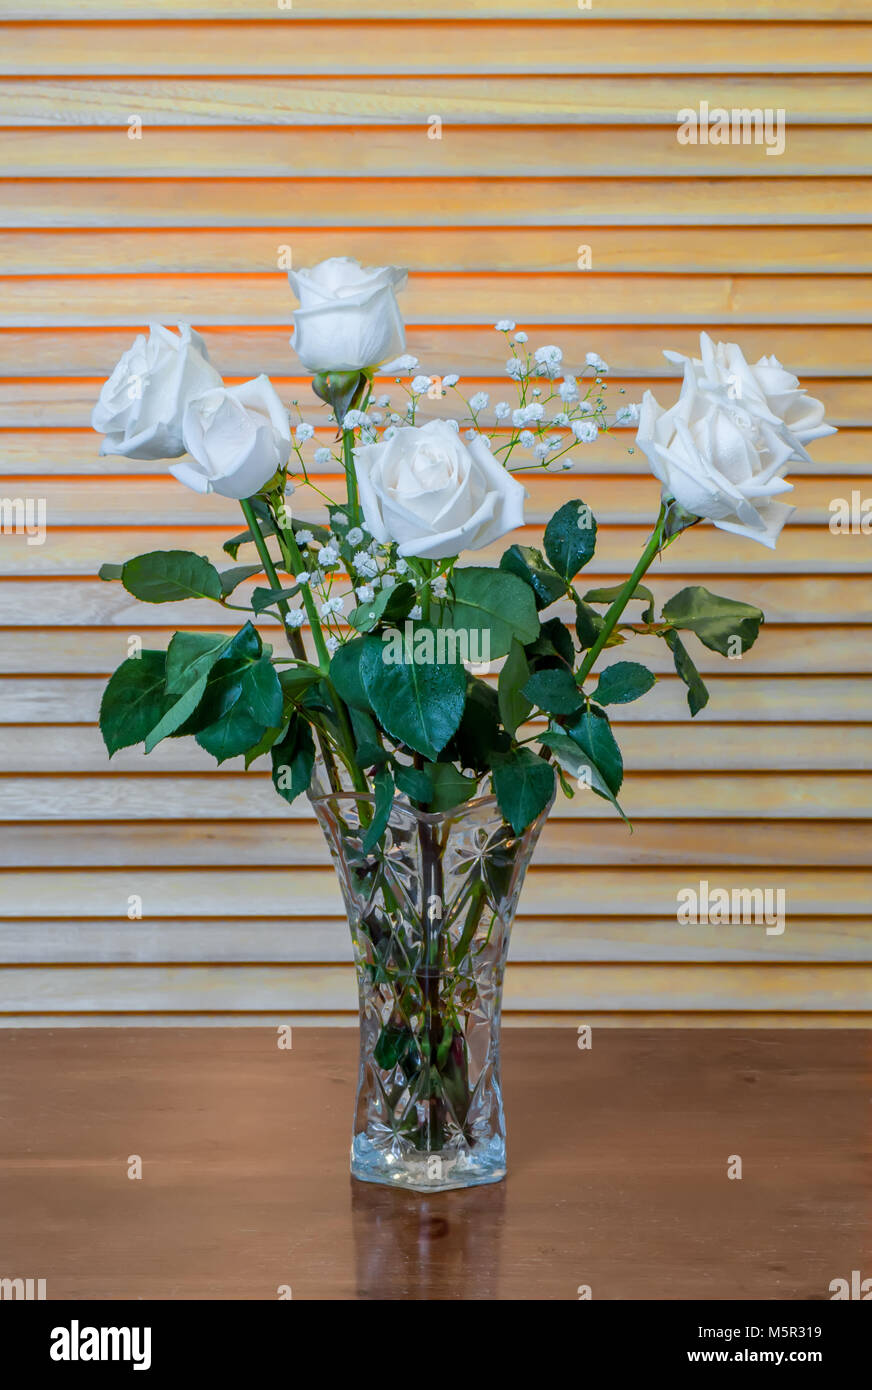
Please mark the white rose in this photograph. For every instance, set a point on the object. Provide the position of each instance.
(766, 390)
(348, 317)
(718, 461)
(435, 495)
(237, 436)
(141, 406)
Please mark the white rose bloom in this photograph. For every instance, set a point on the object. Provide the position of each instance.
(348, 317)
(141, 406)
(765, 390)
(717, 461)
(237, 436)
(434, 495)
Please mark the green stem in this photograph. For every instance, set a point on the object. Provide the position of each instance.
(610, 621)
(350, 477)
(295, 562)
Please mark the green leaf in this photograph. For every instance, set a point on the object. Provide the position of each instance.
(593, 734)
(608, 596)
(448, 786)
(554, 691)
(265, 598)
(383, 785)
(345, 672)
(493, 604)
(110, 572)
(554, 639)
(231, 547)
(718, 622)
(529, 564)
(231, 735)
(580, 766)
(391, 605)
(524, 785)
(369, 751)
(514, 708)
(623, 682)
(134, 700)
(231, 579)
(570, 538)
(414, 783)
(177, 714)
(193, 654)
(263, 745)
(697, 694)
(418, 702)
(296, 680)
(588, 623)
(479, 738)
(169, 576)
(293, 758)
(262, 694)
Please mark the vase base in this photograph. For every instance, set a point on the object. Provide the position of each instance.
(428, 1172)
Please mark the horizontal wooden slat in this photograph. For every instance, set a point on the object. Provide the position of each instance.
(689, 746)
(355, 152)
(52, 603)
(360, 47)
(304, 892)
(765, 10)
(813, 651)
(444, 299)
(60, 402)
(633, 987)
(281, 843)
(250, 796)
(92, 941)
(628, 500)
(811, 99)
(825, 350)
(74, 452)
(702, 550)
(512, 200)
(749, 250)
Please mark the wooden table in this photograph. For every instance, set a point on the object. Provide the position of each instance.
(618, 1169)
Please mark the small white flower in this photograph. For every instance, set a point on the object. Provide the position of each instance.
(389, 433)
(376, 417)
(587, 407)
(302, 578)
(594, 360)
(585, 431)
(502, 409)
(331, 606)
(365, 592)
(520, 337)
(388, 581)
(364, 564)
(561, 420)
(527, 439)
(516, 369)
(355, 420)
(542, 451)
(439, 586)
(394, 418)
(323, 456)
(355, 536)
(470, 435)
(406, 363)
(328, 555)
(566, 463)
(331, 643)
(627, 414)
(303, 537)
(420, 384)
(296, 617)
(303, 432)
(479, 401)
(384, 402)
(505, 325)
(401, 566)
(528, 415)
(450, 380)
(340, 518)
(568, 389)
(549, 360)
(416, 612)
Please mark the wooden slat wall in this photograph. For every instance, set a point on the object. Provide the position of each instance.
(308, 127)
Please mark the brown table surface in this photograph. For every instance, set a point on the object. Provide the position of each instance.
(618, 1161)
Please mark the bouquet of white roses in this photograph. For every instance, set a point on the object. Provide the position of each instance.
(386, 632)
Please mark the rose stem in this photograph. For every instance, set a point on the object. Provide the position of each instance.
(611, 619)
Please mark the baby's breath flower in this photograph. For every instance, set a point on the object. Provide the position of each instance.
(416, 612)
(383, 401)
(365, 592)
(406, 363)
(303, 432)
(376, 417)
(303, 537)
(450, 380)
(502, 409)
(401, 566)
(627, 415)
(505, 325)
(388, 581)
(470, 435)
(479, 401)
(549, 360)
(355, 536)
(421, 384)
(389, 433)
(516, 369)
(439, 586)
(527, 439)
(568, 389)
(323, 456)
(520, 337)
(296, 617)
(528, 415)
(340, 518)
(328, 555)
(302, 578)
(364, 564)
(594, 360)
(331, 606)
(542, 451)
(585, 431)
(561, 420)
(355, 420)
(332, 644)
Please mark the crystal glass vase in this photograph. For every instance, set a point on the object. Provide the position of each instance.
(430, 911)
